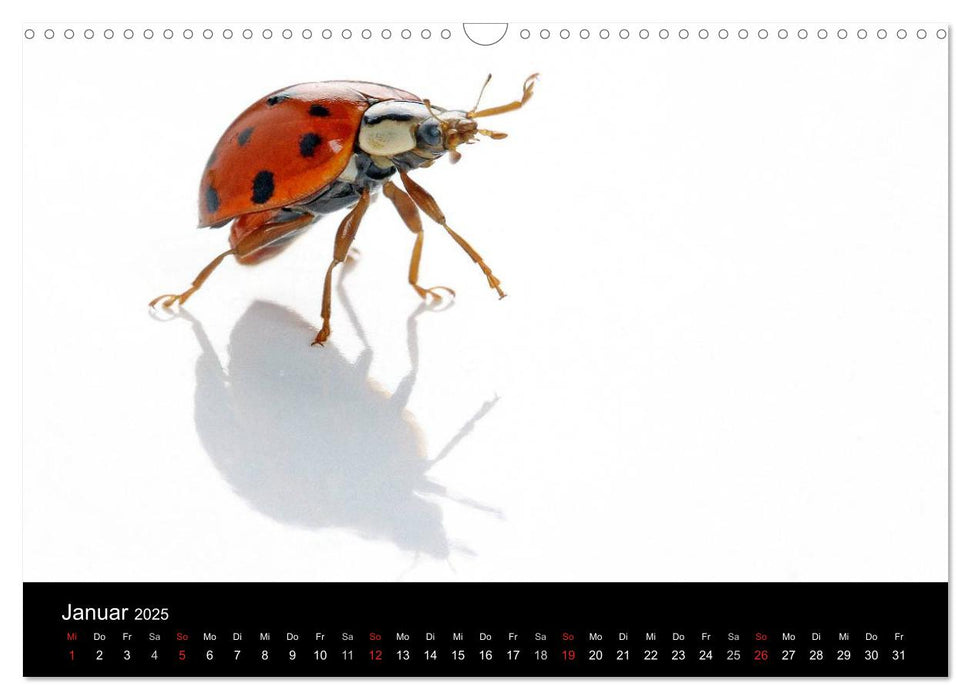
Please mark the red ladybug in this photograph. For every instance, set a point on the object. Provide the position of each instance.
(310, 149)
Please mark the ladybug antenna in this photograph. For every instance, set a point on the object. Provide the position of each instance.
(482, 92)
(428, 106)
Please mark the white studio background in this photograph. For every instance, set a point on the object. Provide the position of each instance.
(723, 356)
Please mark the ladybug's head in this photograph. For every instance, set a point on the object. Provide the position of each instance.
(446, 131)
(449, 130)
(396, 127)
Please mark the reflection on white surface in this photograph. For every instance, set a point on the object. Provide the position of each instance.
(308, 439)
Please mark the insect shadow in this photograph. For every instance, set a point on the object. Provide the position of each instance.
(308, 439)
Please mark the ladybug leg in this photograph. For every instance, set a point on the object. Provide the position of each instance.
(428, 205)
(512, 106)
(260, 236)
(252, 240)
(342, 245)
(409, 214)
(169, 299)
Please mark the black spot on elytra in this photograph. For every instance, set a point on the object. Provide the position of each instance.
(309, 143)
(212, 199)
(276, 99)
(244, 135)
(262, 186)
(319, 111)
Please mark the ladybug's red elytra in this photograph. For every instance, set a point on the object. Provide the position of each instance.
(314, 148)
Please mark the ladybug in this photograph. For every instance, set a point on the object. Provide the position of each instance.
(311, 149)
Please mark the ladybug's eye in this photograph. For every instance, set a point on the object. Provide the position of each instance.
(430, 134)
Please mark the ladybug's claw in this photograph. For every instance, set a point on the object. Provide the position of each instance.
(492, 279)
(169, 299)
(430, 292)
(322, 335)
(528, 85)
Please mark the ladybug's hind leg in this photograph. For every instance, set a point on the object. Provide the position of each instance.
(342, 246)
(169, 299)
(254, 237)
(408, 212)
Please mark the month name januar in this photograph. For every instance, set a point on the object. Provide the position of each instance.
(76, 613)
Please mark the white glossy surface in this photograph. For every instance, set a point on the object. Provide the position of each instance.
(723, 355)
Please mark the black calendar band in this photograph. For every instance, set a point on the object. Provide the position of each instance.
(486, 629)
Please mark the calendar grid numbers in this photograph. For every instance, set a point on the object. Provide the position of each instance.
(511, 630)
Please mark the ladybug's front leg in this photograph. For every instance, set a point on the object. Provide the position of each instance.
(342, 245)
(409, 214)
(428, 205)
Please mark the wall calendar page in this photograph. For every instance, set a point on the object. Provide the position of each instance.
(505, 349)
